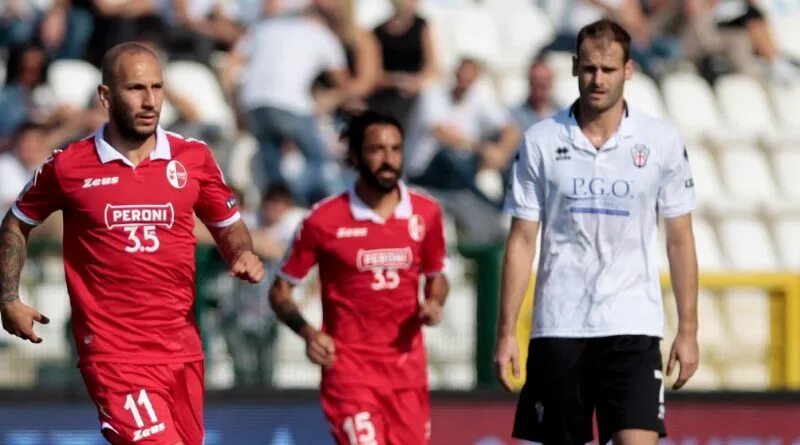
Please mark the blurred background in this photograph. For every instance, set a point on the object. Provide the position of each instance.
(269, 83)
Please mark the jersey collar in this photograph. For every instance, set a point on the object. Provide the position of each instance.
(362, 212)
(107, 153)
(579, 140)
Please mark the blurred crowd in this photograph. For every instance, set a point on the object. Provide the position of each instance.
(291, 71)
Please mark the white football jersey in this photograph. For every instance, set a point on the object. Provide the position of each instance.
(598, 269)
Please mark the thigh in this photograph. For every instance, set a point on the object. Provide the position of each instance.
(188, 409)
(555, 405)
(630, 385)
(354, 415)
(406, 412)
(133, 403)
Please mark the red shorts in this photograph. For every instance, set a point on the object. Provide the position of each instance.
(363, 415)
(148, 404)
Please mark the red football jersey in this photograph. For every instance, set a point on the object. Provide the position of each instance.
(129, 247)
(370, 272)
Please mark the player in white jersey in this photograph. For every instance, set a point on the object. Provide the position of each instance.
(596, 177)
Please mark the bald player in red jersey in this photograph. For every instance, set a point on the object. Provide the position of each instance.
(373, 244)
(129, 194)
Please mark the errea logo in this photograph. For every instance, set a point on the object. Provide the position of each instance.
(95, 182)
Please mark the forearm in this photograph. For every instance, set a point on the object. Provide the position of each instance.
(516, 276)
(509, 139)
(280, 298)
(683, 270)
(13, 247)
(437, 288)
(232, 240)
(452, 138)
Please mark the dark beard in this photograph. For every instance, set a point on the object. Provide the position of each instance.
(125, 125)
(375, 182)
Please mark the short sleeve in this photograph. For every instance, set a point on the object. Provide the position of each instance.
(217, 205)
(245, 45)
(434, 247)
(302, 255)
(331, 52)
(676, 195)
(525, 197)
(42, 195)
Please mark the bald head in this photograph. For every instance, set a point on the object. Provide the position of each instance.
(116, 53)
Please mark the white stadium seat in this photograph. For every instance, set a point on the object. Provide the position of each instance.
(691, 105)
(786, 163)
(708, 186)
(475, 34)
(74, 82)
(787, 104)
(196, 82)
(523, 30)
(642, 93)
(786, 232)
(709, 253)
(747, 175)
(745, 104)
(747, 244)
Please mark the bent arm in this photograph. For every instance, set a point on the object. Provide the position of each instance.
(280, 298)
(683, 270)
(232, 240)
(13, 248)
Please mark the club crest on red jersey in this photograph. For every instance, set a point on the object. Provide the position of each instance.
(416, 228)
(177, 174)
(640, 153)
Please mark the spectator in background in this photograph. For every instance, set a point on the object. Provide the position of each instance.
(281, 56)
(31, 145)
(247, 321)
(463, 140)
(409, 60)
(721, 36)
(466, 130)
(29, 150)
(117, 21)
(538, 105)
(62, 30)
(362, 51)
(25, 96)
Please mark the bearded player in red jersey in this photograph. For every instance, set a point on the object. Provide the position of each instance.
(128, 194)
(373, 244)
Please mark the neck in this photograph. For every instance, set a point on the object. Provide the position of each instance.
(599, 126)
(134, 150)
(381, 202)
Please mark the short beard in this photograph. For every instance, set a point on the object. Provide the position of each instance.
(125, 125)
(375, 182)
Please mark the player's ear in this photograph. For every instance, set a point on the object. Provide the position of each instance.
(629, 68)
(104, 93)
(574, 66)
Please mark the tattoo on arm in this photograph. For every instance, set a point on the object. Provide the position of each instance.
(12, 258)
(233, 240)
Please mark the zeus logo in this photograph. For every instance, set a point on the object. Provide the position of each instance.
(595, 187)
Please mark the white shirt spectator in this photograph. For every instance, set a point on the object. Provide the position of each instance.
(15, 177)
(284, 56)
(476, 116)
(598, 271)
